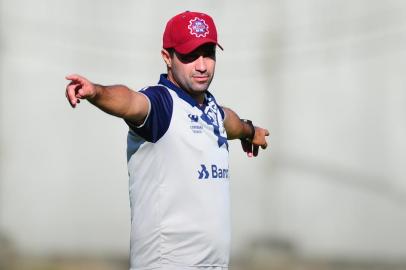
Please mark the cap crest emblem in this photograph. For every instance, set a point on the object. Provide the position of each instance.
(198, 27)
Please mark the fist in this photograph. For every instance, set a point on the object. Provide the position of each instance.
(251, 147)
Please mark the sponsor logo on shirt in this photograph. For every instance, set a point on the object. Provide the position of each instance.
(213, 171)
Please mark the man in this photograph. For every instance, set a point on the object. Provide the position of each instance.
(177, 151)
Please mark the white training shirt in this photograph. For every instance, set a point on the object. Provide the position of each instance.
(178, 181)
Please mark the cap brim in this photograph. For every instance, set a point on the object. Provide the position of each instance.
(192, 45)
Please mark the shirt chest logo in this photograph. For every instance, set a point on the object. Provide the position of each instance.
(209, 119)
(195, 126)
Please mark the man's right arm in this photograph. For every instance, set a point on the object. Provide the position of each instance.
(117, 100)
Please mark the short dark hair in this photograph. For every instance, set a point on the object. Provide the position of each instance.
(171, 51)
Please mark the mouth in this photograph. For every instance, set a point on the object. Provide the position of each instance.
(201, 78)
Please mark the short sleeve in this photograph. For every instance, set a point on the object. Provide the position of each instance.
(159, 117)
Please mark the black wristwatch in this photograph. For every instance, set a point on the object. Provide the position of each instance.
(249, 122)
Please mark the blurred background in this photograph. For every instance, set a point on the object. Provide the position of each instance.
(325, 76)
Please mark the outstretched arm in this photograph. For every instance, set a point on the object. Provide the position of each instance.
(117, 100)
(251, 137)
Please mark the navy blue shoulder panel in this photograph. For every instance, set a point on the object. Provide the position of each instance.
(159, 117)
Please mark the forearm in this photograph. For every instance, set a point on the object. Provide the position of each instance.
(235, 128)
(252, 137)
(120, 101)
(111, 99)
(117, 100)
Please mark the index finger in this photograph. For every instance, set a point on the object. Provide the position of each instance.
(75, 77)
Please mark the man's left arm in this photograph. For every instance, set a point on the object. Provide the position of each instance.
(252, 137)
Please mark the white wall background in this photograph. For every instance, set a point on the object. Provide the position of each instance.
(326, 77)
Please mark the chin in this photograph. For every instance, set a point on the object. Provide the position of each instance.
(200, 90)
(201, 87)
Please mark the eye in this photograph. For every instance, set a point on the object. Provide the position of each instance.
(209, 53)
(188, 58)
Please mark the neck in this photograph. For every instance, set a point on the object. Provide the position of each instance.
(198, 97)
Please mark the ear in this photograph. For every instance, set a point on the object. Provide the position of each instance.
(166, 57)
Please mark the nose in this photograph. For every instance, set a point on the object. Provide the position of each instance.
(200, 64)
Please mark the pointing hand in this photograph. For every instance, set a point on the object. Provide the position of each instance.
(79, 88)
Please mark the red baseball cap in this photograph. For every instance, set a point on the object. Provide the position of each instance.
(189, 30)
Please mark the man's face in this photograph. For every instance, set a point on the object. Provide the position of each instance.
(193, 72)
